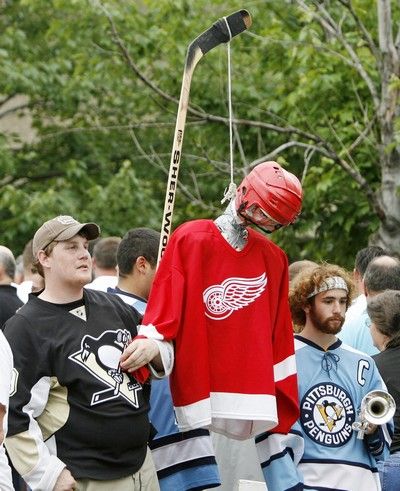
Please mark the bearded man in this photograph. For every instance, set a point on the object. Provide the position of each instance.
(323, 450)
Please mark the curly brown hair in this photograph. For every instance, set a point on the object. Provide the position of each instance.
(306, 282)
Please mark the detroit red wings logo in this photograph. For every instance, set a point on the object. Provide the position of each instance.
(232, 294)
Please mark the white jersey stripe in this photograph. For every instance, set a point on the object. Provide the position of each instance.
(173, 454)
(248, 415)
(285, 368)
(339, 476)
(149, 331)
(277, 443)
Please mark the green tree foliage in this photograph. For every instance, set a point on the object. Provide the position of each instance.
(103, 80)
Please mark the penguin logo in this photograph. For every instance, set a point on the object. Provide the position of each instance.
(100, 357)
(331, 413)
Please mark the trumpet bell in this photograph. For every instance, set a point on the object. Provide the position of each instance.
(378, 407)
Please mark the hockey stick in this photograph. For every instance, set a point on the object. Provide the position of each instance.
(218, 33)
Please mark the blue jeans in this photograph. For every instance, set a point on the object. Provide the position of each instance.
(389, 472)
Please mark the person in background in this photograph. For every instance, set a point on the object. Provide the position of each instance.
(384, 312)
(105, 264)
(19, 270)
(9, 304)
(356, 313)
(32, 281)
(382, 273)
(184, 461)
(76, 420)
(322, 450)
(9, 301)
(6, 367)
(297, 266)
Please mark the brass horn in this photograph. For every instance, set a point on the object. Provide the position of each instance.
(377, 408)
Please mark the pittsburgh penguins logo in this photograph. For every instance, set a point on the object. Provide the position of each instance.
(100, 357)
(327, 414)
(232, 294)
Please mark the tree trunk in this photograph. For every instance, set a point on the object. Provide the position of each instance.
(388, 234)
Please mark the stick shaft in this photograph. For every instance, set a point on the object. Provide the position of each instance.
(176, 154)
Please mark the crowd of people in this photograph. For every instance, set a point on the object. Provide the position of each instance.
(220, 366)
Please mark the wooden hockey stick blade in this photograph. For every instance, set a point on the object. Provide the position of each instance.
(217, 34)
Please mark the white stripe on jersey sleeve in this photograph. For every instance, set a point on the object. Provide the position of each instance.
(167, 358)
(28, 451)
(285, 368)
(173, 454)
(149, 331)
(275, 444)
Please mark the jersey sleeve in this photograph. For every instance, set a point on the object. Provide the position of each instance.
(285, 362)
(279, 456)
(164, 310)
(25, 445)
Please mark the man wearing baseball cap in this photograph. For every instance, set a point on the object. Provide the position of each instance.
(76, 420)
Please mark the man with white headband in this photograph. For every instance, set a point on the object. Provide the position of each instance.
(322, 450)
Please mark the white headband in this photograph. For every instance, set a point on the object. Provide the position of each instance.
(331, 283)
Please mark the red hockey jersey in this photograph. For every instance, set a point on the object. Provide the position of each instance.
(228, 314)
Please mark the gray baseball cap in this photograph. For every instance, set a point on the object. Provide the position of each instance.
(61, 228)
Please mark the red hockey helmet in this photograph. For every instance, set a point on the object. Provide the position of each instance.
(273, 189)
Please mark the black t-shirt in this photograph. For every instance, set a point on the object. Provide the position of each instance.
(69, 374)
(388, 363)
(9, 303)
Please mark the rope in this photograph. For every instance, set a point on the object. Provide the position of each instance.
(230, 192)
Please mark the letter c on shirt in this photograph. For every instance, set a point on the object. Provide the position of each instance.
(362, 365)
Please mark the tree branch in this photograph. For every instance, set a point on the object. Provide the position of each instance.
(362, 136)
(318, 47)
(365, 33)
(194, 199)
(18, 181)
(326, 21)
(6, 99)
(315, 143)
(14, 109)
(125, 53)
(202, 115)
(331, 154)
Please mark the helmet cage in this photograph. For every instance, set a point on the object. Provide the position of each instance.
(259, 217)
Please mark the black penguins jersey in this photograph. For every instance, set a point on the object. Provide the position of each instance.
(70, 392)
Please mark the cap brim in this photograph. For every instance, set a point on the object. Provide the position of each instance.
(92, 231)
